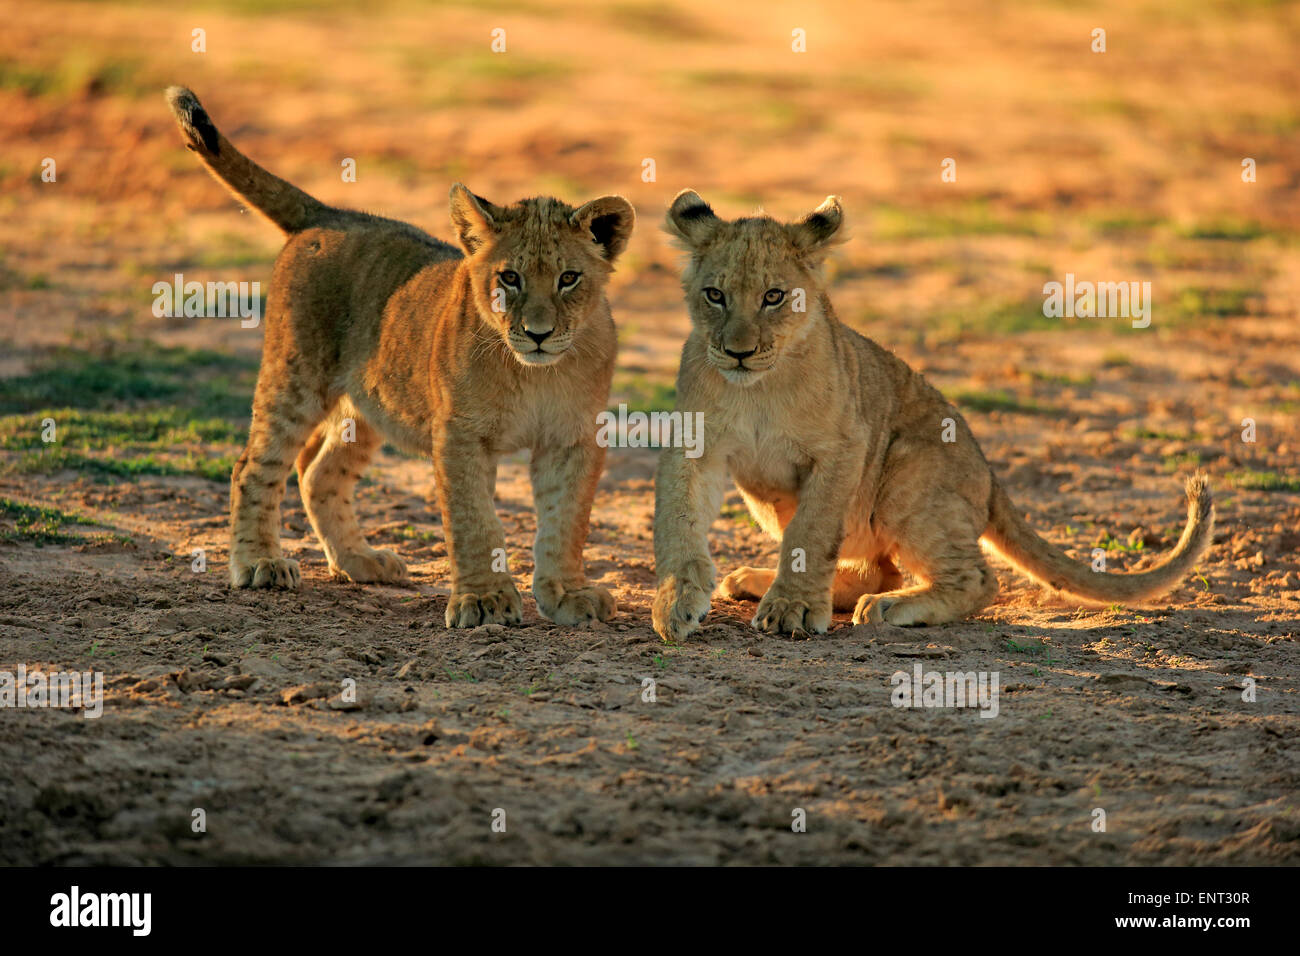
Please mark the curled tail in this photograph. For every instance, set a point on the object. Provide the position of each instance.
(1016, 541)
(285, 205)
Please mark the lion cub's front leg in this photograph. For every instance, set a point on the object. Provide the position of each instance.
(482, 591)
(688, 496)
(564, 486)
(800, 598)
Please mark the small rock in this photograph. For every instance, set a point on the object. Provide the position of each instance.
(487, 633)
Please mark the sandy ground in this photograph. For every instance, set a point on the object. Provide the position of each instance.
(230, 702)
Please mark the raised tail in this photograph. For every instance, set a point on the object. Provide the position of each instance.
(1016, 541)
(287, 206)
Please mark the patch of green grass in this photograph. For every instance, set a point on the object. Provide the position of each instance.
(203, 382)
(1196, 302)
(997, 316)
(757, 82)
(39, 525)
(11, 279)
(484, 78)
(1182, 461)
(26, 79)
(411, 533)
(1118, 224)
(1159, 435)
(739, 514)
(1113, 358)
(998, 401)
(233, 251)
(163, 428)
(1108, 542)
(121, 444)
(79, 72)
(972, 218)
(562, 186)
(1229, 228)
(103, 467)
(1263, 481)
(642, 394)
(1062, 378)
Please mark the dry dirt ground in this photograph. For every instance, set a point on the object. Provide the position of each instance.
(1123, 165)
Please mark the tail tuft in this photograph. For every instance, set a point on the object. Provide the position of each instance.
(1200, 502)
(287, 206)
(194, 119)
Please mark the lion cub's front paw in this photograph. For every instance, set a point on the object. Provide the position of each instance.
(265, 573)
(783, 613)
(578, 606)
(679, 609)
(370, 566)
(485, 606)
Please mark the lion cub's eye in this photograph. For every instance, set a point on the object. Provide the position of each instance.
(715, 296)
(773, 297)
(569, 278)
(510, 277)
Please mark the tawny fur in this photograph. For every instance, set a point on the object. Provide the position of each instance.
(837, 447)
(376, 330)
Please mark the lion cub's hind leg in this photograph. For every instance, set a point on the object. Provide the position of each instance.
(852, 580)
(328, 471)
(284, 414)
(941, 547)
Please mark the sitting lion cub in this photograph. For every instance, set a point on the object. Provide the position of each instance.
(839, 450)
(376, 330)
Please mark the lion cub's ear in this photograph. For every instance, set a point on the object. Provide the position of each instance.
(691, 219)
(476, 220)
(820, 229)
(608, 220)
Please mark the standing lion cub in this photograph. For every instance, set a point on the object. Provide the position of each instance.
(376, 330)
(838, 448)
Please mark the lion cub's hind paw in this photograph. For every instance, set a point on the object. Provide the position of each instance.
(266, 573)
(499, 606)
(381, 566)
(746, 584)
(582, 605)
(899, 611)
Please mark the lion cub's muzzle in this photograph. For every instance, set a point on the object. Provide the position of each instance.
(534, 348)
(742, 367)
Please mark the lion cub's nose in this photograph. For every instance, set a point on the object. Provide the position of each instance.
(740, 356)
